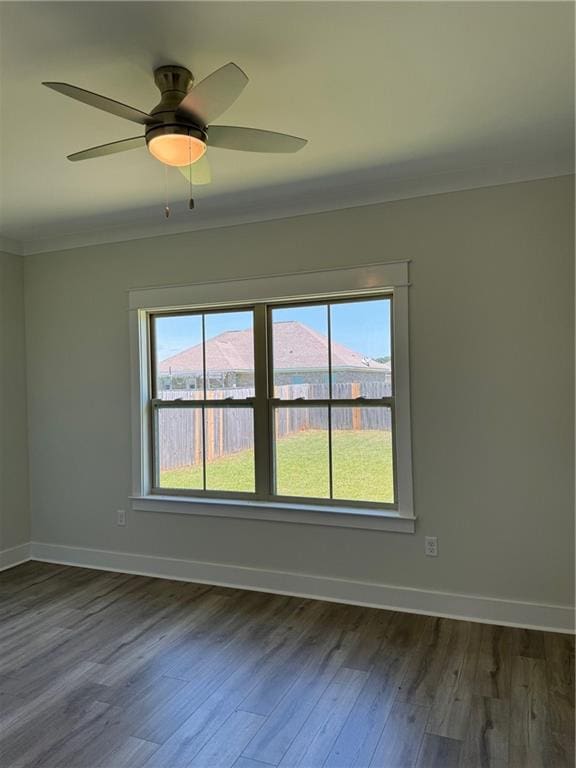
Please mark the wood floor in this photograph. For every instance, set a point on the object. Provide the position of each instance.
(116, 671)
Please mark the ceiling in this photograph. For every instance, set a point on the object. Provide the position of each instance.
(396, 98)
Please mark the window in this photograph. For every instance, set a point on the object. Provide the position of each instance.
(322, 401)
(203, 402)
(294, 404)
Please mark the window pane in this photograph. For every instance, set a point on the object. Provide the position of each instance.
(178, 356)
(179, 442)
(301, 452)
(300, 352)
(229, 354)
(362, 455)
(229, 449)
(361, 349)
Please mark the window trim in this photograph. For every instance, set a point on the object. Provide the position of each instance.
(303, 287)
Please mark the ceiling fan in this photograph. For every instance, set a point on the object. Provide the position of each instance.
(179, 128)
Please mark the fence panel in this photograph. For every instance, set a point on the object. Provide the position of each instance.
(228, 431)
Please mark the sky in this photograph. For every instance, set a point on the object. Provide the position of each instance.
(363, 326)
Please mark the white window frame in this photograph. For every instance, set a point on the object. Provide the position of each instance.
(391, 277)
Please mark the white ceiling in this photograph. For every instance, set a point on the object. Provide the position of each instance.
(396, 99)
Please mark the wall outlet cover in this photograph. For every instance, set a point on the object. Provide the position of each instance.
(431, 546)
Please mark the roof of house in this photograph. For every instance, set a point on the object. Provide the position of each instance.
(296, 347)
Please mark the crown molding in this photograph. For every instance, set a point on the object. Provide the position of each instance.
(7, 245)
(319, 195)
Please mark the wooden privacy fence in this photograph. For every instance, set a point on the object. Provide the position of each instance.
(230, 430)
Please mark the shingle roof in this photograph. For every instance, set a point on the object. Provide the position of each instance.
(296, 347)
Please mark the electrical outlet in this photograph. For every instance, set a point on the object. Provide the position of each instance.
(431, 546)
(121, 517)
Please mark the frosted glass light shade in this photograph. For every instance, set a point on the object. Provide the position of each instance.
(176, 148)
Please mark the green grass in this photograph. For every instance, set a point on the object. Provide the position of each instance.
(362, 463)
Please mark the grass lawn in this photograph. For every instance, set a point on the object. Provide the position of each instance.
(362, 467)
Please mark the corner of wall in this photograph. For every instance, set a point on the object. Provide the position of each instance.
(14, 486)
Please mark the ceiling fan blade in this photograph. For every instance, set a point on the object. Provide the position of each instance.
(109, 149)
(252, 139)
(200, 171)
(213, 95)
(102, 102)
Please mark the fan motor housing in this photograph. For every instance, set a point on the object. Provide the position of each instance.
(173, 82)
(173, 78)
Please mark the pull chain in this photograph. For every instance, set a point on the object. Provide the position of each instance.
(191, 199)
(166, 206)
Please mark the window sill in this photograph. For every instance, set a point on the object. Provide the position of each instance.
(343, 517)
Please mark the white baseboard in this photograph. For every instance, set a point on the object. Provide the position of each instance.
(555, 618)
(14, 556)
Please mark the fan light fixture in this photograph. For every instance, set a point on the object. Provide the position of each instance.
(178, 129)
(176, 149)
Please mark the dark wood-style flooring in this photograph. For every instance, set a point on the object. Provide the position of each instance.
(116, 671)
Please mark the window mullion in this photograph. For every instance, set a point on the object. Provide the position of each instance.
(205, 397)
(262, 432)
(330, 395)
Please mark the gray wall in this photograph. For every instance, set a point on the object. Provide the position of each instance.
(492, 351)
(14, 507)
